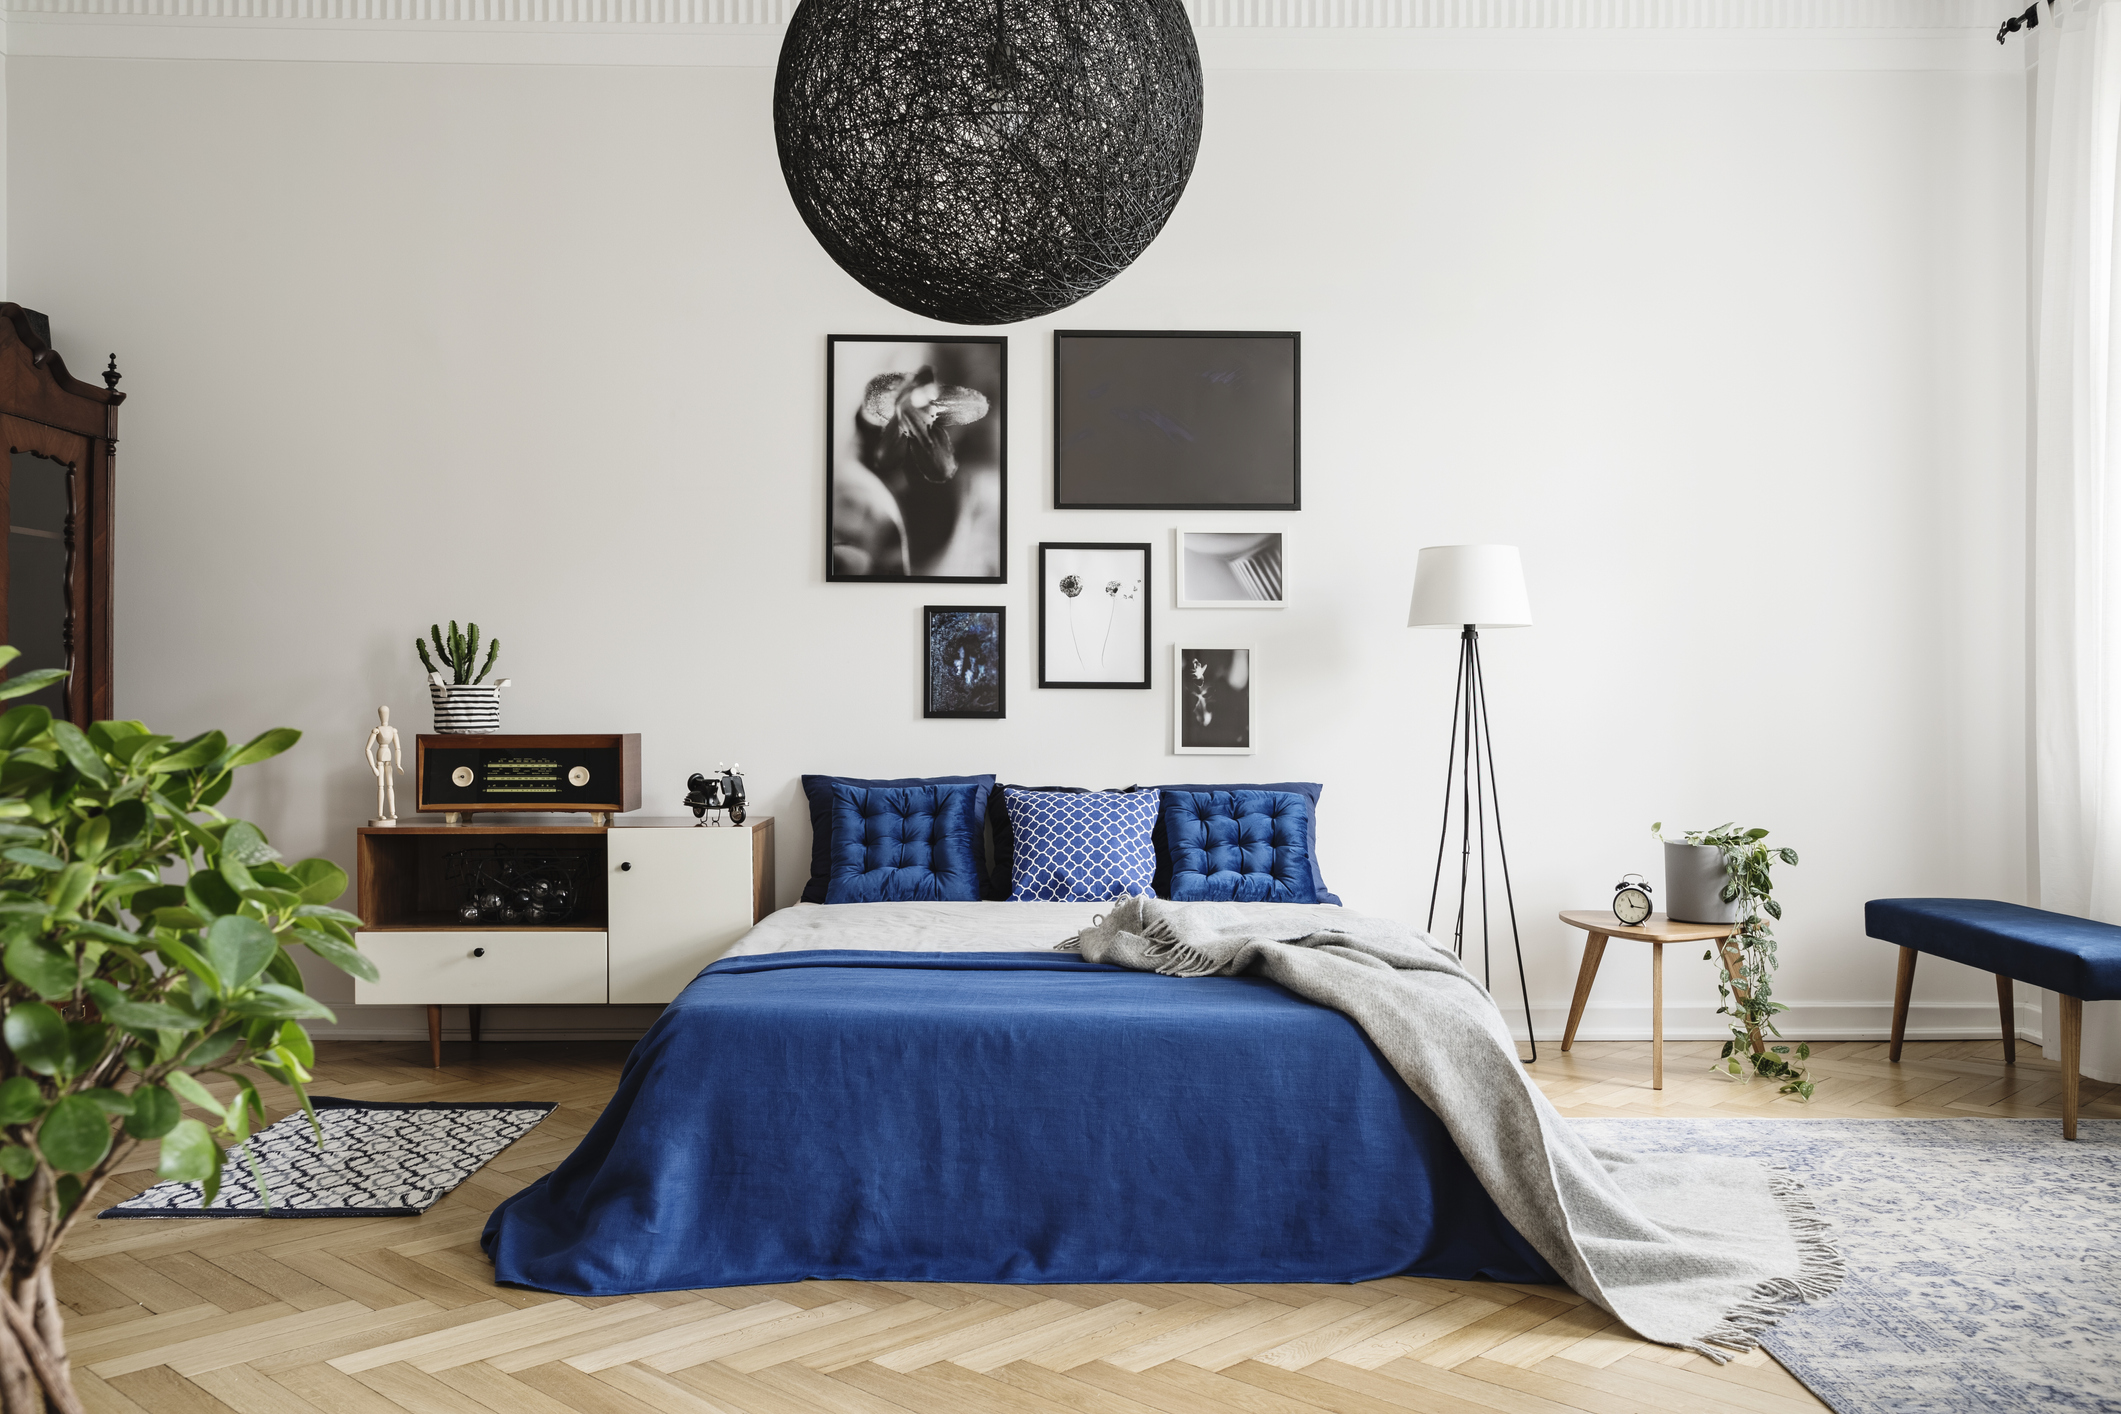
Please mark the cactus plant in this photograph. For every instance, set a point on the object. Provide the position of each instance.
(458, 652)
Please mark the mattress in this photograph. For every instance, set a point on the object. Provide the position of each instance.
(929, 1092)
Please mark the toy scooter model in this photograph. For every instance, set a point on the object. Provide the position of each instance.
(724, 790)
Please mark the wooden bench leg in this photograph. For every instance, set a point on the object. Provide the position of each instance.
(2007, 1005)
(434, 1034)
(1593, 953)
(1902, 990)
(2072, 1044)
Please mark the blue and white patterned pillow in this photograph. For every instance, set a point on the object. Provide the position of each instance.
(1086, 846)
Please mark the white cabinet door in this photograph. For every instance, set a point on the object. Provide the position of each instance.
(472, 966)
(679, 898)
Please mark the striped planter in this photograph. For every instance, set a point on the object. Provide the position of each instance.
(468, 708)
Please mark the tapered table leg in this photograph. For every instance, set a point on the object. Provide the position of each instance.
(1656, 1016)
(1903, 988)
(434, 1035)
(2072, 1045)
(2007, 1005)
(1593, 951)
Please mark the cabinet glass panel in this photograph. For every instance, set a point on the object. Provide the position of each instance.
(37, 505)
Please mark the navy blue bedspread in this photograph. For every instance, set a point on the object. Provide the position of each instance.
(1000, 1117)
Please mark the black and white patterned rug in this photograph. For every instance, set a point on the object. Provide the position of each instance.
(378, 1160)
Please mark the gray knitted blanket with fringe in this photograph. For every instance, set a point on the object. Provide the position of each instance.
(1692, 1250)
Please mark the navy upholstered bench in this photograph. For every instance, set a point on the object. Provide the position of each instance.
(2074, 957)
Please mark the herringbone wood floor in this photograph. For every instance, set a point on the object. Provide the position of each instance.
(394, 1315)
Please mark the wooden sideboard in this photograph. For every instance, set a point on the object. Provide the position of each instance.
(653, 902)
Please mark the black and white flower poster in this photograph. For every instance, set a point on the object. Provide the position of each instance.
(1093, 607)
(1211, 699)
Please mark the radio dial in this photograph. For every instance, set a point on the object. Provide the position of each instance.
(462, 776)
(578, 777)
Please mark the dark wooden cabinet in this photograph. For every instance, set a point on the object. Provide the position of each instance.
(56, 495)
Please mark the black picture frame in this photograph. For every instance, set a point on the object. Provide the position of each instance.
(863, 462)
(1050, 576)
(941, 639)
(1177, 420)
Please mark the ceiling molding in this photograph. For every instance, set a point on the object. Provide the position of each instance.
(1377, 34)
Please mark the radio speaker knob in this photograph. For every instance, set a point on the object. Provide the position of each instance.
(462, 776)
(579, 776)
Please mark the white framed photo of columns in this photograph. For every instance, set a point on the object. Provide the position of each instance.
(1212, 695)
(1224, 569)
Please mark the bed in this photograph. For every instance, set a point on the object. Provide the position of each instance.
(927, 1091)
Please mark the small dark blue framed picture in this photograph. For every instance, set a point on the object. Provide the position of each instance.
(963, 651)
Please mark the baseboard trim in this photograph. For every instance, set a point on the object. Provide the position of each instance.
(1832, 1021)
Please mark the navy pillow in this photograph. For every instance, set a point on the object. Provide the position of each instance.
(1309, 790)
(818, 791)
(891, 843)
(1002, 866)
(1242, 846)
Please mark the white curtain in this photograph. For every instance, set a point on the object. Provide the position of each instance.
(2077, 480)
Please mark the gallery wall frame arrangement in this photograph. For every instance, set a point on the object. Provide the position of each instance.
(964, 660)
(1093, 614)
(1212, 695)
(916, 459)
(1177, 420)
(1229, 569)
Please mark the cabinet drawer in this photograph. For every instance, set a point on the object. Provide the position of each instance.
(440, 969)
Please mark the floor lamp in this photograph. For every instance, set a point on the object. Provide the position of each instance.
(1468, 587)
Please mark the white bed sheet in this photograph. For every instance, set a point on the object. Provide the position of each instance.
(918, 927)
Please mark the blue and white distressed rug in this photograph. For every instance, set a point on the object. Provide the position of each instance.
(1984, 1257)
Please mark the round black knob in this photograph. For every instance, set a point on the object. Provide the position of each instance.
(478, 952)
(625, 865)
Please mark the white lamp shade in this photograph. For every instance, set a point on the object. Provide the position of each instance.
(1456, 585)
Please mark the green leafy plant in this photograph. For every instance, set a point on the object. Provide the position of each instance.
(126, 988)
(458, 652)
(1746, 961)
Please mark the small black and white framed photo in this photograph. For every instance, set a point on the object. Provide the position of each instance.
(1177, 421)
(1093, 615)
(962, 654)
(1212, 692)
(1223, 569)
(916, 459)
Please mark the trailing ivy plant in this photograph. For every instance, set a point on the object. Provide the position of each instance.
(1748, 996)
(148, 946)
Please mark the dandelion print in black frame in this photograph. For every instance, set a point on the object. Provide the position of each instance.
(962, 655)
(916, 459)
(1093, 615)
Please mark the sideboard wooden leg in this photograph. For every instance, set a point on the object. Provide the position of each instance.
(434, 1035)
(478, 1015)
(1903, 989)
(1593, 952)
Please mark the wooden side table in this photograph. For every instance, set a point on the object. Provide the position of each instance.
(1657, 930)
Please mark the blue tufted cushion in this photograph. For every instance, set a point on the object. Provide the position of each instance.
(892, 843)
(2074, 956)
(1081, 845)
(1309, 790)
(1241, 846)
(817, 790)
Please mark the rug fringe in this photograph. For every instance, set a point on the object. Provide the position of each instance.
(1819, 1275)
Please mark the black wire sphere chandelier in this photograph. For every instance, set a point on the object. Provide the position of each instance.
(980, 164)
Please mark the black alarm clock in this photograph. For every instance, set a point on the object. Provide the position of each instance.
(1631, 900)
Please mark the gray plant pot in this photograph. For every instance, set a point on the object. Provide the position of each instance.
(1694, 877)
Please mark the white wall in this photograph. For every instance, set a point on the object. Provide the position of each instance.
(1735, 355)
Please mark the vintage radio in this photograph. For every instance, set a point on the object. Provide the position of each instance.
(465, 773)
